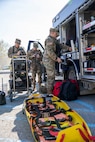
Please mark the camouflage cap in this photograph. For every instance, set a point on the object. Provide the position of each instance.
(35, 44)
(54, 30)
(18, 41)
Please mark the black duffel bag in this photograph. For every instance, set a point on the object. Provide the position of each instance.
(69, 90)
(2, 98)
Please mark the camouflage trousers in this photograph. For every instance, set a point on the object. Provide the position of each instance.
(50, 78)
(36, 71)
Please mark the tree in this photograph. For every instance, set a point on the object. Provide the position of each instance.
(4, 60)
(3, 48)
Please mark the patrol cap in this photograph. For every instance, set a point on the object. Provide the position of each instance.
(18, 41)
(54, 30)
(35, 44)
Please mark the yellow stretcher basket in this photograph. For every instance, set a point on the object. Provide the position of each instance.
(52, 120)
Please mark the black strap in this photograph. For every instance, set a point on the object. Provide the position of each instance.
(13, 49)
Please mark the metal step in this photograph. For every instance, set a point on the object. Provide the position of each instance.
(87, 92)
(89, 77)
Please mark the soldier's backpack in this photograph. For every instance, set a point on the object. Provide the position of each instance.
(2, 98)
(69, 90)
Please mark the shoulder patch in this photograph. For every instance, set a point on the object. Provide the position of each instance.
(49, 43)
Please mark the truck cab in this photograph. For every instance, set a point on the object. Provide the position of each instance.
(76, 24)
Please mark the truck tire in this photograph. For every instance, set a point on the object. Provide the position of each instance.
(71, 74)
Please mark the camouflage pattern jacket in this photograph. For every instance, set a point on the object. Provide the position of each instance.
(50, 57)
(13, 51)
(32, 55)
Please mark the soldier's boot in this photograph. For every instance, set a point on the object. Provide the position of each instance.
(39, 79)
(49, 91)
(33, 82)
(39, 83)
(49, 88)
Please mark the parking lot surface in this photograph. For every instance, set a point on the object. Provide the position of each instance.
(14, 126)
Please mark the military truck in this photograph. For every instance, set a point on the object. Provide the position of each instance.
(76, 25)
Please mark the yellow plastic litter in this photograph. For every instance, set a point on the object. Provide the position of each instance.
(71, 127)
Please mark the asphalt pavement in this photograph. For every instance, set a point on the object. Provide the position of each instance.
(14, 126)
(85, 106)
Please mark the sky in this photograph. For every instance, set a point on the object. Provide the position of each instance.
(27, 19)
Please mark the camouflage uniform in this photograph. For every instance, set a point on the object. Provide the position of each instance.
(35, 65)
(49, 59)
(14, 50)
(65, 48)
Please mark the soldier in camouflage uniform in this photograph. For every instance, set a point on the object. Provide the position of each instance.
(16, 50)
(50, 57)
(35, 56)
